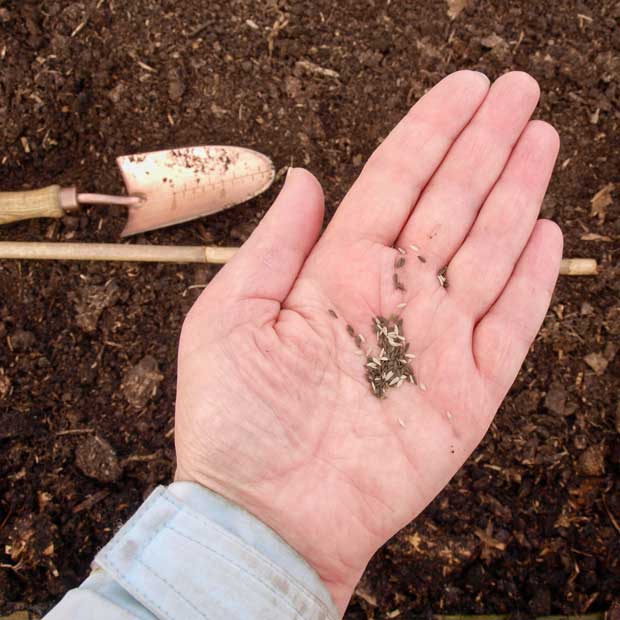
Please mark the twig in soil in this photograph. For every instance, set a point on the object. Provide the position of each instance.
(197, 30)
(311, 67)
(6, 519)
(79, 28)
(141, 458)
(90, 501)
(146, 67)
(76, 431)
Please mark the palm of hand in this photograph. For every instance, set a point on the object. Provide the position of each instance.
(274, 411)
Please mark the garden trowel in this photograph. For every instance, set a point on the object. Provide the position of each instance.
(163, 187)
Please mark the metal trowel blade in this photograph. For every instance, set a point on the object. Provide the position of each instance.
(183, 184)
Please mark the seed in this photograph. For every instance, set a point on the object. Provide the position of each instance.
(423, 387)
(411, 356)
(350, 330)
(398, 285)
(390, 368)
(332, 314)
(374, 387)
(441, 276)
(362, 339)
(401, 306)
(415, 248)
(421, 259)
(449, 415)
(400, 262)
(401, 251)
(402, 423)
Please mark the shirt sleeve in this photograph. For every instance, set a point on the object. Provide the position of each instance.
(189, 554)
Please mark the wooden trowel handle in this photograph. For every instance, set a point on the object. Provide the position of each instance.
(26, 205)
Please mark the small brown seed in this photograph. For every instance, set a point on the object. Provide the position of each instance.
(332, 314)
(441, 276)
(421, 259)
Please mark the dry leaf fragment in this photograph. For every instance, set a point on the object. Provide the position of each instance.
(600, 201)
(141, 382)
(591, 462)
(491, 41)
(456, 7)
(597, 362)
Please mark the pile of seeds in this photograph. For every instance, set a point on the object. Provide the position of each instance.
(392, 365)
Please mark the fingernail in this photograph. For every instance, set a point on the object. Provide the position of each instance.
(484, 75)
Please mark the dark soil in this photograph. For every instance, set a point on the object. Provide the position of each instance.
(530, 525)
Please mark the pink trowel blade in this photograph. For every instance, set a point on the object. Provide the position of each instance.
(183, 184)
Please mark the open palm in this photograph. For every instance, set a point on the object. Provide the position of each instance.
(274, 410)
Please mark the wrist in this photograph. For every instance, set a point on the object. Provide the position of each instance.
(339, 580)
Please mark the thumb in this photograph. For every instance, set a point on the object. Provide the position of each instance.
(269, 262)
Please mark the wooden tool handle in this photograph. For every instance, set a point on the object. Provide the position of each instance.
(116, 252)
(178, 254)
(578, 267)
(44, 202)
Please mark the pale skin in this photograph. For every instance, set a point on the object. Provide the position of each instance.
(273, 408)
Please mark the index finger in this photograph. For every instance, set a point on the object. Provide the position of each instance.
(380, 201)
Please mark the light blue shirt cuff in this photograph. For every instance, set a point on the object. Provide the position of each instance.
(190, 554)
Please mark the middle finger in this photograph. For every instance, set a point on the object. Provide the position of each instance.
(450, 203)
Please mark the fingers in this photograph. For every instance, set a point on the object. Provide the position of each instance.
(449, 205)
(268, 263)
(504, 335)
(479, 271)
(380, 201)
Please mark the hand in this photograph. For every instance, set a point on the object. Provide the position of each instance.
(274, 411)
